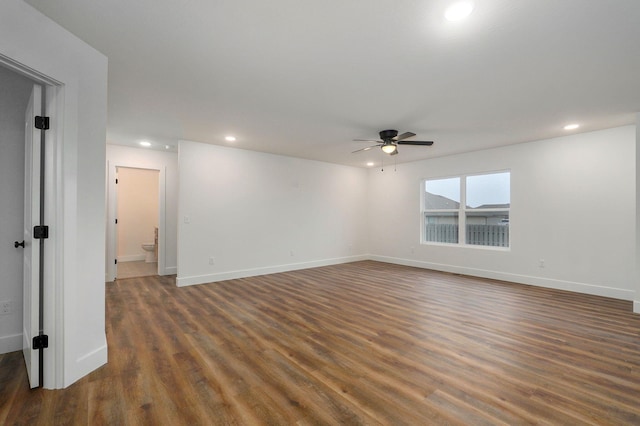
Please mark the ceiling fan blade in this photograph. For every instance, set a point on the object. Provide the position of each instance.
(364, 149)
(367, 140)
(420, 143)
(404, 136)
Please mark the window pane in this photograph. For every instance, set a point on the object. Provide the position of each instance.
(486, 228)
(491, 191)
(441, 227)
(442, 194)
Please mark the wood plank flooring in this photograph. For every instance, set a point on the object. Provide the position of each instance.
(360, 343)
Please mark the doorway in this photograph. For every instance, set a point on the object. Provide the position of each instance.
(28, 302)
(137, 222)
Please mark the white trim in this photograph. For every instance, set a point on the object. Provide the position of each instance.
(596, 290)
(616, 293)
(10, 343)
(54, 251)
(162, 222)
(636, 306)
(28, 72)
(230, 275)
(88, 363)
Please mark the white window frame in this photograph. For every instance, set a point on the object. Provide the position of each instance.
(462, 212)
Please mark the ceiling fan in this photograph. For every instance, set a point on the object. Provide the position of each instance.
(391, 140)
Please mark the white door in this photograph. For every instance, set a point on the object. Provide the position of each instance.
(116, 239)
(31, 283)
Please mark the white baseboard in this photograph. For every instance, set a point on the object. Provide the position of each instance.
(578, 287)
(170, 270)
(131, 258)
(10, 343)
(616, 293)
(86, 364)
(230, 275)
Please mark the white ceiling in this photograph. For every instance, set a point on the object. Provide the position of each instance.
(305, 78)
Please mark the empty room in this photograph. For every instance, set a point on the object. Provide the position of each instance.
(235, 212)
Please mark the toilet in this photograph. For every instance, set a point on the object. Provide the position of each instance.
(150, 250)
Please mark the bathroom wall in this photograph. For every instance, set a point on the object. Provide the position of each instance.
(137, 211)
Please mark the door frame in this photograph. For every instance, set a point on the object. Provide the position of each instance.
(112, 231)
(54, 254)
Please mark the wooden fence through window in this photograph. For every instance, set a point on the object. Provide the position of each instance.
(483, 235)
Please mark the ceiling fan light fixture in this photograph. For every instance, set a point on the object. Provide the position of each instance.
(389, 148)
(389, 141)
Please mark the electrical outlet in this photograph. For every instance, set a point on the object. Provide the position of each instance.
(541, 263)
(212, 261)
(5, 307)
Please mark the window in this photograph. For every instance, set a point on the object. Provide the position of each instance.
(442, 209)
(478, 204)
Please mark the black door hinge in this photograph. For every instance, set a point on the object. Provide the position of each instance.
(116, 181)
(116, 221)
(115, 261)
(40, 342)
(42, 123)
(40, 232)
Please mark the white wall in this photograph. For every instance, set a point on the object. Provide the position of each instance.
(74, 298)
(14, 95)
(636, 303)
(572, 204)
(257, 213)
(137, 211)
(167, 163)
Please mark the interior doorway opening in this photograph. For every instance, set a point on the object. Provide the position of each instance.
(137, 222)
(32, 310)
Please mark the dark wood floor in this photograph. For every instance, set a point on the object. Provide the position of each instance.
(361, 343)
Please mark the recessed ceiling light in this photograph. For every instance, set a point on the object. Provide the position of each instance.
(571, 126)
(230, 138)
(167, 147)
(370, 163)
(145, 143)
(458, 11)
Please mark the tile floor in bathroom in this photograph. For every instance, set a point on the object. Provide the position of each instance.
(136, 269)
